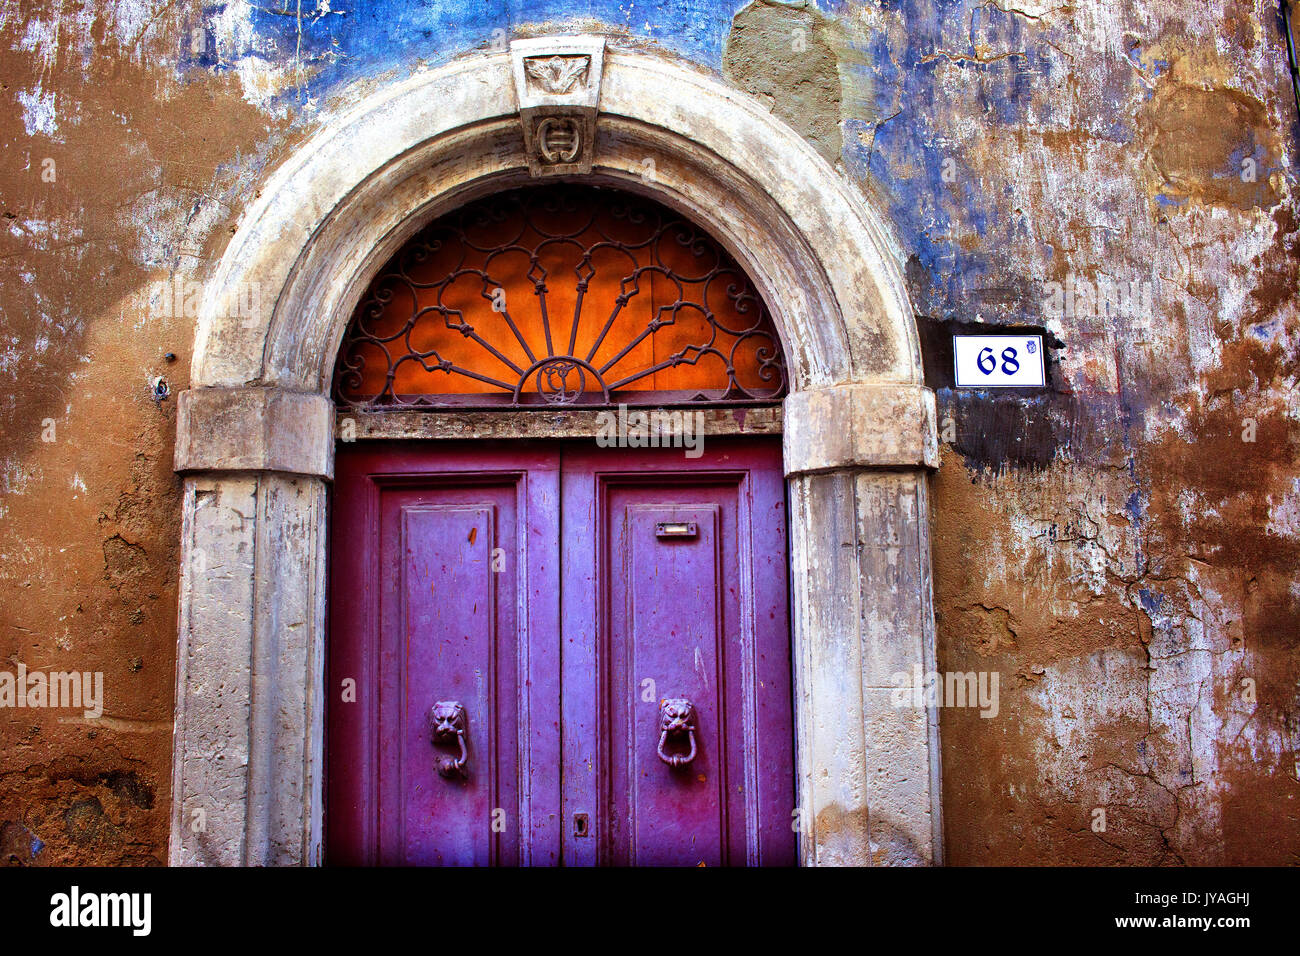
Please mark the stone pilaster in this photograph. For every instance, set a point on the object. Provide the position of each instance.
(869, 788)
(247, 775)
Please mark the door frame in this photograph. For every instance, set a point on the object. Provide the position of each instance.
(256, 429)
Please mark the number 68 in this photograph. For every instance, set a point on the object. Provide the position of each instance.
(987, 363)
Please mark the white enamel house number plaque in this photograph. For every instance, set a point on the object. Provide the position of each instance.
(998, 361)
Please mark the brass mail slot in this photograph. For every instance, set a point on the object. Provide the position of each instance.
(676, 529)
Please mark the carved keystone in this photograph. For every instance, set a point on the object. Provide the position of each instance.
(557, 81)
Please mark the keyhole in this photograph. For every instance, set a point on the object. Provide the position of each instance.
(580, 824)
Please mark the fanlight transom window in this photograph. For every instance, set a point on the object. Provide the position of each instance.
(566, 296)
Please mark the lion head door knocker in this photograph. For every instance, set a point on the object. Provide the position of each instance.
(448, 725)
(676, 720)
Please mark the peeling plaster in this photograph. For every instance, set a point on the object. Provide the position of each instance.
(1111, 546)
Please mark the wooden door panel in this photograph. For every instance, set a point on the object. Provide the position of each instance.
(702, 617)
(667, 640)
(449, 636)
(444, 587)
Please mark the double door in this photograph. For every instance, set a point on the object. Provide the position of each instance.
(546, 653)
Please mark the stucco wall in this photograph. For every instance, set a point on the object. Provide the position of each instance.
(1113, 548)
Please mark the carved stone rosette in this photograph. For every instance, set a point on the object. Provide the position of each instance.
(557, 81)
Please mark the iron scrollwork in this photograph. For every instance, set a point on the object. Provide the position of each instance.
(614, 249)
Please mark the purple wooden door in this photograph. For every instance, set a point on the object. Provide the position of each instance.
(444, 589)
(613, 627)
(675, 590)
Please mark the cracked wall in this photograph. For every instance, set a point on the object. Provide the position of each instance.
(1112, 546)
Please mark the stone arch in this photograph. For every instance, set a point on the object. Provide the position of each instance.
(352, 194)
(256, 430)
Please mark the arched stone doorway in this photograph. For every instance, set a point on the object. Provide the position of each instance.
(256, 430)
(601, 623)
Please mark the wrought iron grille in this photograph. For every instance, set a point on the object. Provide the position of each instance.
(564, 296)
